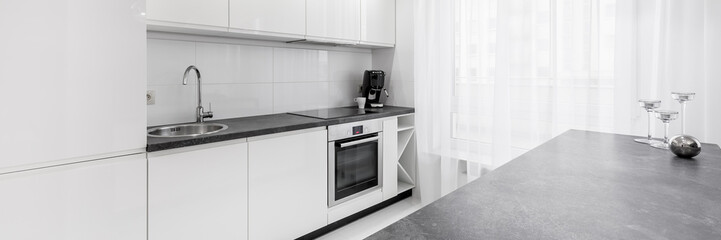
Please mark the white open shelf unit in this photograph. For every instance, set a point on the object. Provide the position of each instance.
(406, 153)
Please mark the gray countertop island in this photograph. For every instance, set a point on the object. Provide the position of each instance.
(580, 185)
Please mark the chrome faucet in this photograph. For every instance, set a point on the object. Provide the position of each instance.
(199, 113)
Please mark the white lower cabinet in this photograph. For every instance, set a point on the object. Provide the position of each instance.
(101, 199)
(287, 184)
(390, 158)
(354, 206)
(199, 192)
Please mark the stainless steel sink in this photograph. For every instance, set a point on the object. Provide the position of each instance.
(187, 130)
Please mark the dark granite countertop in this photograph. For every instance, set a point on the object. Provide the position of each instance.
(267, 124)
(580, 185)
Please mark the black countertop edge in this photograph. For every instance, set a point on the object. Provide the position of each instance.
(245, 127)
(369, 117)
(212, 138)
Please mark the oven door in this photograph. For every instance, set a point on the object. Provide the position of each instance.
(354, 167)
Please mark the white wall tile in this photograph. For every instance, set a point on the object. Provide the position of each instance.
(245, 80)
(173, 104)
(342, 93)
(300, 65)
(401, 93)
(227, 63)
(167, 60)
(238, 100)
(348, 66)
(289, 97)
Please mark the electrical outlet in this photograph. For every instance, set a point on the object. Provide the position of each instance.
(150, 96)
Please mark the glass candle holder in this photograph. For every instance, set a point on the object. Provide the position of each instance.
(649, 105)
(666, 116)
(682, 98)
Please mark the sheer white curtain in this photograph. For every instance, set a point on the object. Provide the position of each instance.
(495, 78)
(433, 73)
(528, 70)
(675, 52)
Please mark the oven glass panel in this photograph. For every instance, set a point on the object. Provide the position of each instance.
(356, 168)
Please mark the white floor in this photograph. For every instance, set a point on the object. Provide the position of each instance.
(370, 224)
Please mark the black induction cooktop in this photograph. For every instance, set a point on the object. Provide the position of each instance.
(331, 113)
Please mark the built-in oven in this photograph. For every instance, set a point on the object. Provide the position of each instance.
(355, 154)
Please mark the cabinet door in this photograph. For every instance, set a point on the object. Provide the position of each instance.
(198, 193)
(288, 185)
(333, 19)
(269, 17)
(212, 13)
(76, 82)
(378, 22)
(102, 199)
(390, 158)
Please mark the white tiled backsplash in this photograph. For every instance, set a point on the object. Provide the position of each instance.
(247, 80)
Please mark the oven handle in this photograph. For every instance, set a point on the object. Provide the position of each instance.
(365, 140)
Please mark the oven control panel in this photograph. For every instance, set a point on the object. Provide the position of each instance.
(347, 130)
(358, 130)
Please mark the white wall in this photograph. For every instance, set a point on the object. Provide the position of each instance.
(713, 71)
(398, 62)
(247, 78)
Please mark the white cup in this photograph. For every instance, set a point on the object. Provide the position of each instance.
(361, 102)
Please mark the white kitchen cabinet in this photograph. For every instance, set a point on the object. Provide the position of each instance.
(199, 192)
(77, 81)
(355, 205)
(369, 23)
(378, 22)
(101, 199)
(390, 158)
(333, 20)
(281, 18)
(200, 14)
(288, 184)
(406, 150)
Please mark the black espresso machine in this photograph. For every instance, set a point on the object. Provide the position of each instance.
(373, 82)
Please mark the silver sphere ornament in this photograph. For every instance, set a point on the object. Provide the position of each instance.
(685, 146)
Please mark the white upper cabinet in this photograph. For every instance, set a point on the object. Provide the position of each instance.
(368, 22)
(282, 18)
(104, 199)
(333, 20)
(76, 80)
(378, 22)
(201, 14)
